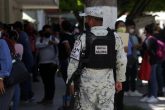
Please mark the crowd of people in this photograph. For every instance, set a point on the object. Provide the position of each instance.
(136, 48)
(42, 53)
(49, 50)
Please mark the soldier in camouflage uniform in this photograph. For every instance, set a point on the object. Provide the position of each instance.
(97, 86)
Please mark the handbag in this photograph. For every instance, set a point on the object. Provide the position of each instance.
(145, 68)
(19, 73)
(131, 60)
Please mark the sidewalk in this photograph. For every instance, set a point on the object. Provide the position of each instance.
(134, 101)
(38, 92)
(60, 90)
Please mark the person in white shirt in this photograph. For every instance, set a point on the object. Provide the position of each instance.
(48, 62)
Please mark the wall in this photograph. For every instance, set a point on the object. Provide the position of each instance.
(10, 11)
(15, 11)
(2, 8)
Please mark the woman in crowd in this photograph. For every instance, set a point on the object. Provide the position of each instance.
(48, 62)
(149, 46)
(14, 36)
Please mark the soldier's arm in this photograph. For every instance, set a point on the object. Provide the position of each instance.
(75, 56)
(73, 65)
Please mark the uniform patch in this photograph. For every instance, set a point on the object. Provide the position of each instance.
(101, 49)
(76, 50)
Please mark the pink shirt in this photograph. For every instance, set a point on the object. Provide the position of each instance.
(19, 49)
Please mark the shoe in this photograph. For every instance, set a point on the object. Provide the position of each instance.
(144, 99)
(126, 93)
(45, 102)
(26, 101)
(152, 99)
(135, 93)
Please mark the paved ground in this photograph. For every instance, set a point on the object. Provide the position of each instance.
(60, 89)
(134, 101)
(38, 87)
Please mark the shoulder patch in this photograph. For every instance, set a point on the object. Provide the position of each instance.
(75, 54)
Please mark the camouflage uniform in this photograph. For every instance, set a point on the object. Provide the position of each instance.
(97, 86)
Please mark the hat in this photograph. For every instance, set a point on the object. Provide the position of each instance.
(96, 11)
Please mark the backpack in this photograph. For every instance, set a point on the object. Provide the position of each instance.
(160, 50)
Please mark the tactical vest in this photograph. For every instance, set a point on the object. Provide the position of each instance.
(100, 51)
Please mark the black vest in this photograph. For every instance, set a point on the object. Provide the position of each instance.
(100, 51)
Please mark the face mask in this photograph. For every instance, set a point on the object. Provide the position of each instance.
(131, 31)
(121, 29)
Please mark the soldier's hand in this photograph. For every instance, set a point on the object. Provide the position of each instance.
(126, 49)
(118, 86)
(2, 89)
(51, 42)
(71, 88)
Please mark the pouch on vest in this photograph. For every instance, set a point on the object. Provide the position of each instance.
(100, 51)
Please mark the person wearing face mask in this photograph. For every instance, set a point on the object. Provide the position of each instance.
(48, 62)
(134, 44)
(120, 28)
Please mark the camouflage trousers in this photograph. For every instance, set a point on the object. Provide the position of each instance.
(96, 91)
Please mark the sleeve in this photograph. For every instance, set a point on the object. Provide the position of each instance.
(73, 65)
(5, 59)
(121, 60)
(75, 55)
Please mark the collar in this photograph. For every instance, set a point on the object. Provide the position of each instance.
(98, 28)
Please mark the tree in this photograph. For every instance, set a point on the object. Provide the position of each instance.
(137, 7)
(153, 5)
(78, 5)
(101, 3)
(75, 6)
(134, 7)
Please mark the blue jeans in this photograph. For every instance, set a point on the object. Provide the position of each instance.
(160, 77)
(26, 90)
(131, 75)
(6, 98)
(16, 97)
(153, 83)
